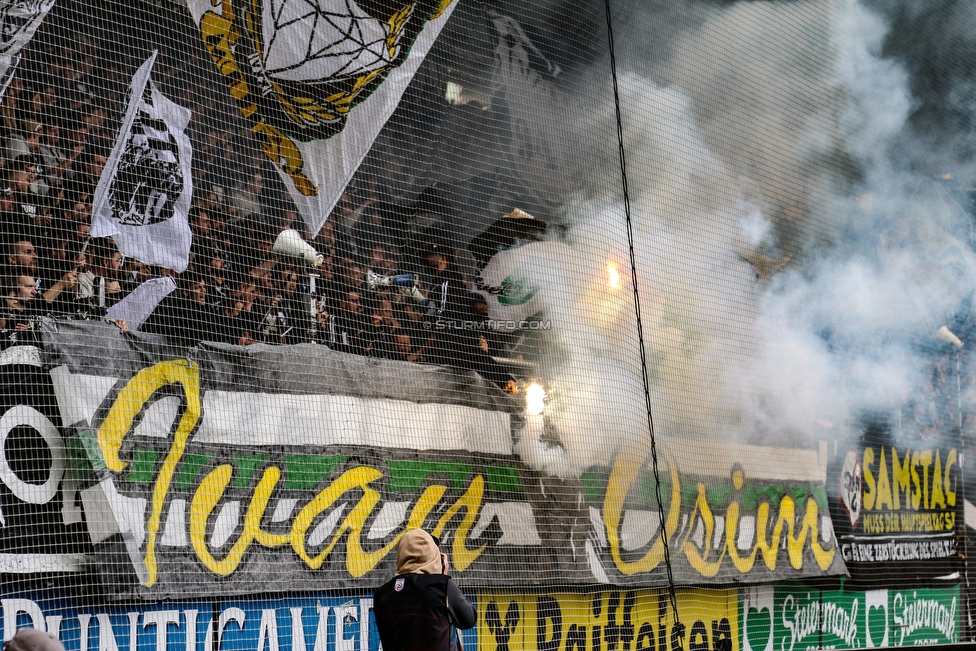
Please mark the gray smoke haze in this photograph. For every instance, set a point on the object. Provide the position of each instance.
(898, 270)
(795, 248)
(934, 41)
(795, 258)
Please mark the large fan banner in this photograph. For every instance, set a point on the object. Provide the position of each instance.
(898, 507)
(18, 22)
(317, 81)
(237, 470)
(143, 198)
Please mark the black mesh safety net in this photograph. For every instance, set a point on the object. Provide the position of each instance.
(646, 322)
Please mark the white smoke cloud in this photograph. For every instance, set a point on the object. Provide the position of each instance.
(773, 136)
(695, 292)
(859, 320)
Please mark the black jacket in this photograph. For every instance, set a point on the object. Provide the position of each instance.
(415, 612)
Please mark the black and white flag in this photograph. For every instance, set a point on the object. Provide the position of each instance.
(317, 81)
(144, 195)
(19, 19)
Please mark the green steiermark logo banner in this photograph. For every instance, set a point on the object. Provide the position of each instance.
(792, 616)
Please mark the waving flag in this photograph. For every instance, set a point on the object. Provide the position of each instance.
(317, 79)
(19, 19)
(143, 197)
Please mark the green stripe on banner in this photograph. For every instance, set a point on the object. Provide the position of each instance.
(749, 498)
(89, 441)
(143, 467)
(820, 496)
(503, 479)
(189, 468)
(643, 494)
(410, 475)
(246, 465)
(306, 471)
(594, 485)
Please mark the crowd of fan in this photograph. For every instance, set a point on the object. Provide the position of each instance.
(57, 120)
(944, 400)
(933, 407)
(55, 145)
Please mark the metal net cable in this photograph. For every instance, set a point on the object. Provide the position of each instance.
(672, 595)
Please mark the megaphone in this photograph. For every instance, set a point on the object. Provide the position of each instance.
(949, 337)
(291, 244)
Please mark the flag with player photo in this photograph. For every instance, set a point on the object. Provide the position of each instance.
(143, 197)
(18, 22)
(316, 81)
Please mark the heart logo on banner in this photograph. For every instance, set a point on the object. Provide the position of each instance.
(758, 629)
(876, 618)
(849, 487)
(757, 618)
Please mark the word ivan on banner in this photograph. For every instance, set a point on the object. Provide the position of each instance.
(223, 518)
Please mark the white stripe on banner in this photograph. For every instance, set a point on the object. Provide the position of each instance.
(515, 519)
(263, 419)
(28, 355)
(33, 563)
(79, 396)
(282, 419)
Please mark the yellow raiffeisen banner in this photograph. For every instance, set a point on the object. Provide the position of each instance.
(611, 619)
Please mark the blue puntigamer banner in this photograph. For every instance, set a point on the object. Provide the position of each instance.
(325, 622)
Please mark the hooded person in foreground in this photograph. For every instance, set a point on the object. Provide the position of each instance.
(417, 608)
(29, 639)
